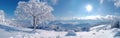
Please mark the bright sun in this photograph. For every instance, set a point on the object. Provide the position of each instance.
(89, 8)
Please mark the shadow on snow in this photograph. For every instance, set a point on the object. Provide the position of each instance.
(12, 29)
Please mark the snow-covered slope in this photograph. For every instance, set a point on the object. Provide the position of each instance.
(53, 34)
(101, 27)
(18, 32)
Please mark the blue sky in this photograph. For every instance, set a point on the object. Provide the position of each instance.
(9, 7)
(70, 8)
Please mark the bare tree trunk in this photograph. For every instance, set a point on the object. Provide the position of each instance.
(34, 23)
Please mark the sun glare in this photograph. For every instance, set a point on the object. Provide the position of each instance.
(89, 8)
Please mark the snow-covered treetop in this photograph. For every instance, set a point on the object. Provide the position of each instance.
(34, 8)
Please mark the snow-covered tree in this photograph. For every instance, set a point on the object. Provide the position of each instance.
(34, 10)
(2, 17)
(116, 24)
(71, 33)
(77, 29)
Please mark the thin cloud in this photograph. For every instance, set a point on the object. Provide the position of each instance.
(101, 1)
(117, 3)
(54, 2)
(98, 17)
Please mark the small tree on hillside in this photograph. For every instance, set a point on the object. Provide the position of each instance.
(35, 11)
(116, 24)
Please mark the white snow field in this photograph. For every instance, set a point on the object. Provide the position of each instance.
(7, 31)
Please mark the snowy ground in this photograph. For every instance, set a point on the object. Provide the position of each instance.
(7, 31)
